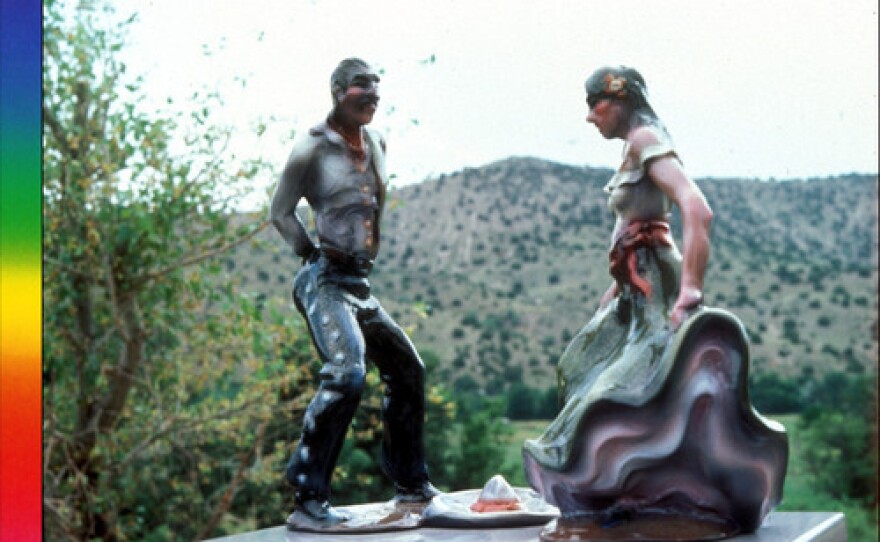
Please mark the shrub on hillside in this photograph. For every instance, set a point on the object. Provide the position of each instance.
(773, 394)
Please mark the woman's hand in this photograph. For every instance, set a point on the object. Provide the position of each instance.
(608, 296)
(688, 299)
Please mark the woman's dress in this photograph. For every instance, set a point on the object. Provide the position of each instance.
(654, 421)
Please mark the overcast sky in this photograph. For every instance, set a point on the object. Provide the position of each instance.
(748, 88)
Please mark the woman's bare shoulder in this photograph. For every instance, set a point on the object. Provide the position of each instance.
(643, 137)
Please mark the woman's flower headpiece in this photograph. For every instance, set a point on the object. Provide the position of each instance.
(615, 86)
(620, 82)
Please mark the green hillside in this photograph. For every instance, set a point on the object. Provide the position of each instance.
(495, 268)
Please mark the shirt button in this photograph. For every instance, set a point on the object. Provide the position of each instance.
(368, 223)
(365, 189)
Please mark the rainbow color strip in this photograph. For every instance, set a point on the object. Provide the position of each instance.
(20, 269)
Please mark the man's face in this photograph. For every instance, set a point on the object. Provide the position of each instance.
(357, 104)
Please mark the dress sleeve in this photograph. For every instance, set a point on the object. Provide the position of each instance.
(663, 147)
(657, 150)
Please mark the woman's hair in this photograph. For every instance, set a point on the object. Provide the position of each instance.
(625, 84)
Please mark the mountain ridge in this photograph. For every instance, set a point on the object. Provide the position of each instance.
(495, 268)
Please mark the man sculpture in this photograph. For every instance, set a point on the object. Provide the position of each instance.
(339, 168)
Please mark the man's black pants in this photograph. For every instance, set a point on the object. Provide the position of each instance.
(348, 326)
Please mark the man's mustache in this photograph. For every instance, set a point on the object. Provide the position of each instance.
(370, 99)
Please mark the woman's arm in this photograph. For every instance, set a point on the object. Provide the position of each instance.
(668, 174)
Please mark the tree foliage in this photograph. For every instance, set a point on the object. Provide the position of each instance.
(774, 394)
(526, 403)
(840, 437)
(161, 380)
(481, 437)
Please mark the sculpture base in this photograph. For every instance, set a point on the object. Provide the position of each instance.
(447, 510)
(778, 527)
(365, 518)
(644, 529)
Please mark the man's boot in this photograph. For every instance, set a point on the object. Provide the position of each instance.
(416, 493)
(314, 511)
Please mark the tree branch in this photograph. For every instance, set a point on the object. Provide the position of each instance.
(226, 500)
(55, 127)
(122, 376)
(60, 518)
(66, 268)
(173, 425)
(165, 428)
(114, 298)
(202, 257)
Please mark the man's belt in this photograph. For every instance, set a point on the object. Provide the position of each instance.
(360, 265)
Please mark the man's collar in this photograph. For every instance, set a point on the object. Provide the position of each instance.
(324, 129)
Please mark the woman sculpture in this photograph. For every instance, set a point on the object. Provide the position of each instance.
(656, 420)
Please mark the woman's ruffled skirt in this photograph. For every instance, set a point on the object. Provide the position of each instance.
(656, 422)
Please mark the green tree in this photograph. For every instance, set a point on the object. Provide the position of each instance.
(548, 405)
(774, 394)
(841, 457)
(840, 437)
(481, 441)
(167, 392)
(522, 402)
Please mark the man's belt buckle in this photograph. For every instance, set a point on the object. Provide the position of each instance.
(351, 261)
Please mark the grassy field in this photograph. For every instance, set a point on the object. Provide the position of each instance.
(522, 430)
(799, 493)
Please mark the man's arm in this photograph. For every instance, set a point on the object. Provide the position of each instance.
(291, 189)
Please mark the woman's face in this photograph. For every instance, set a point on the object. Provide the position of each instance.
(608, 115)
